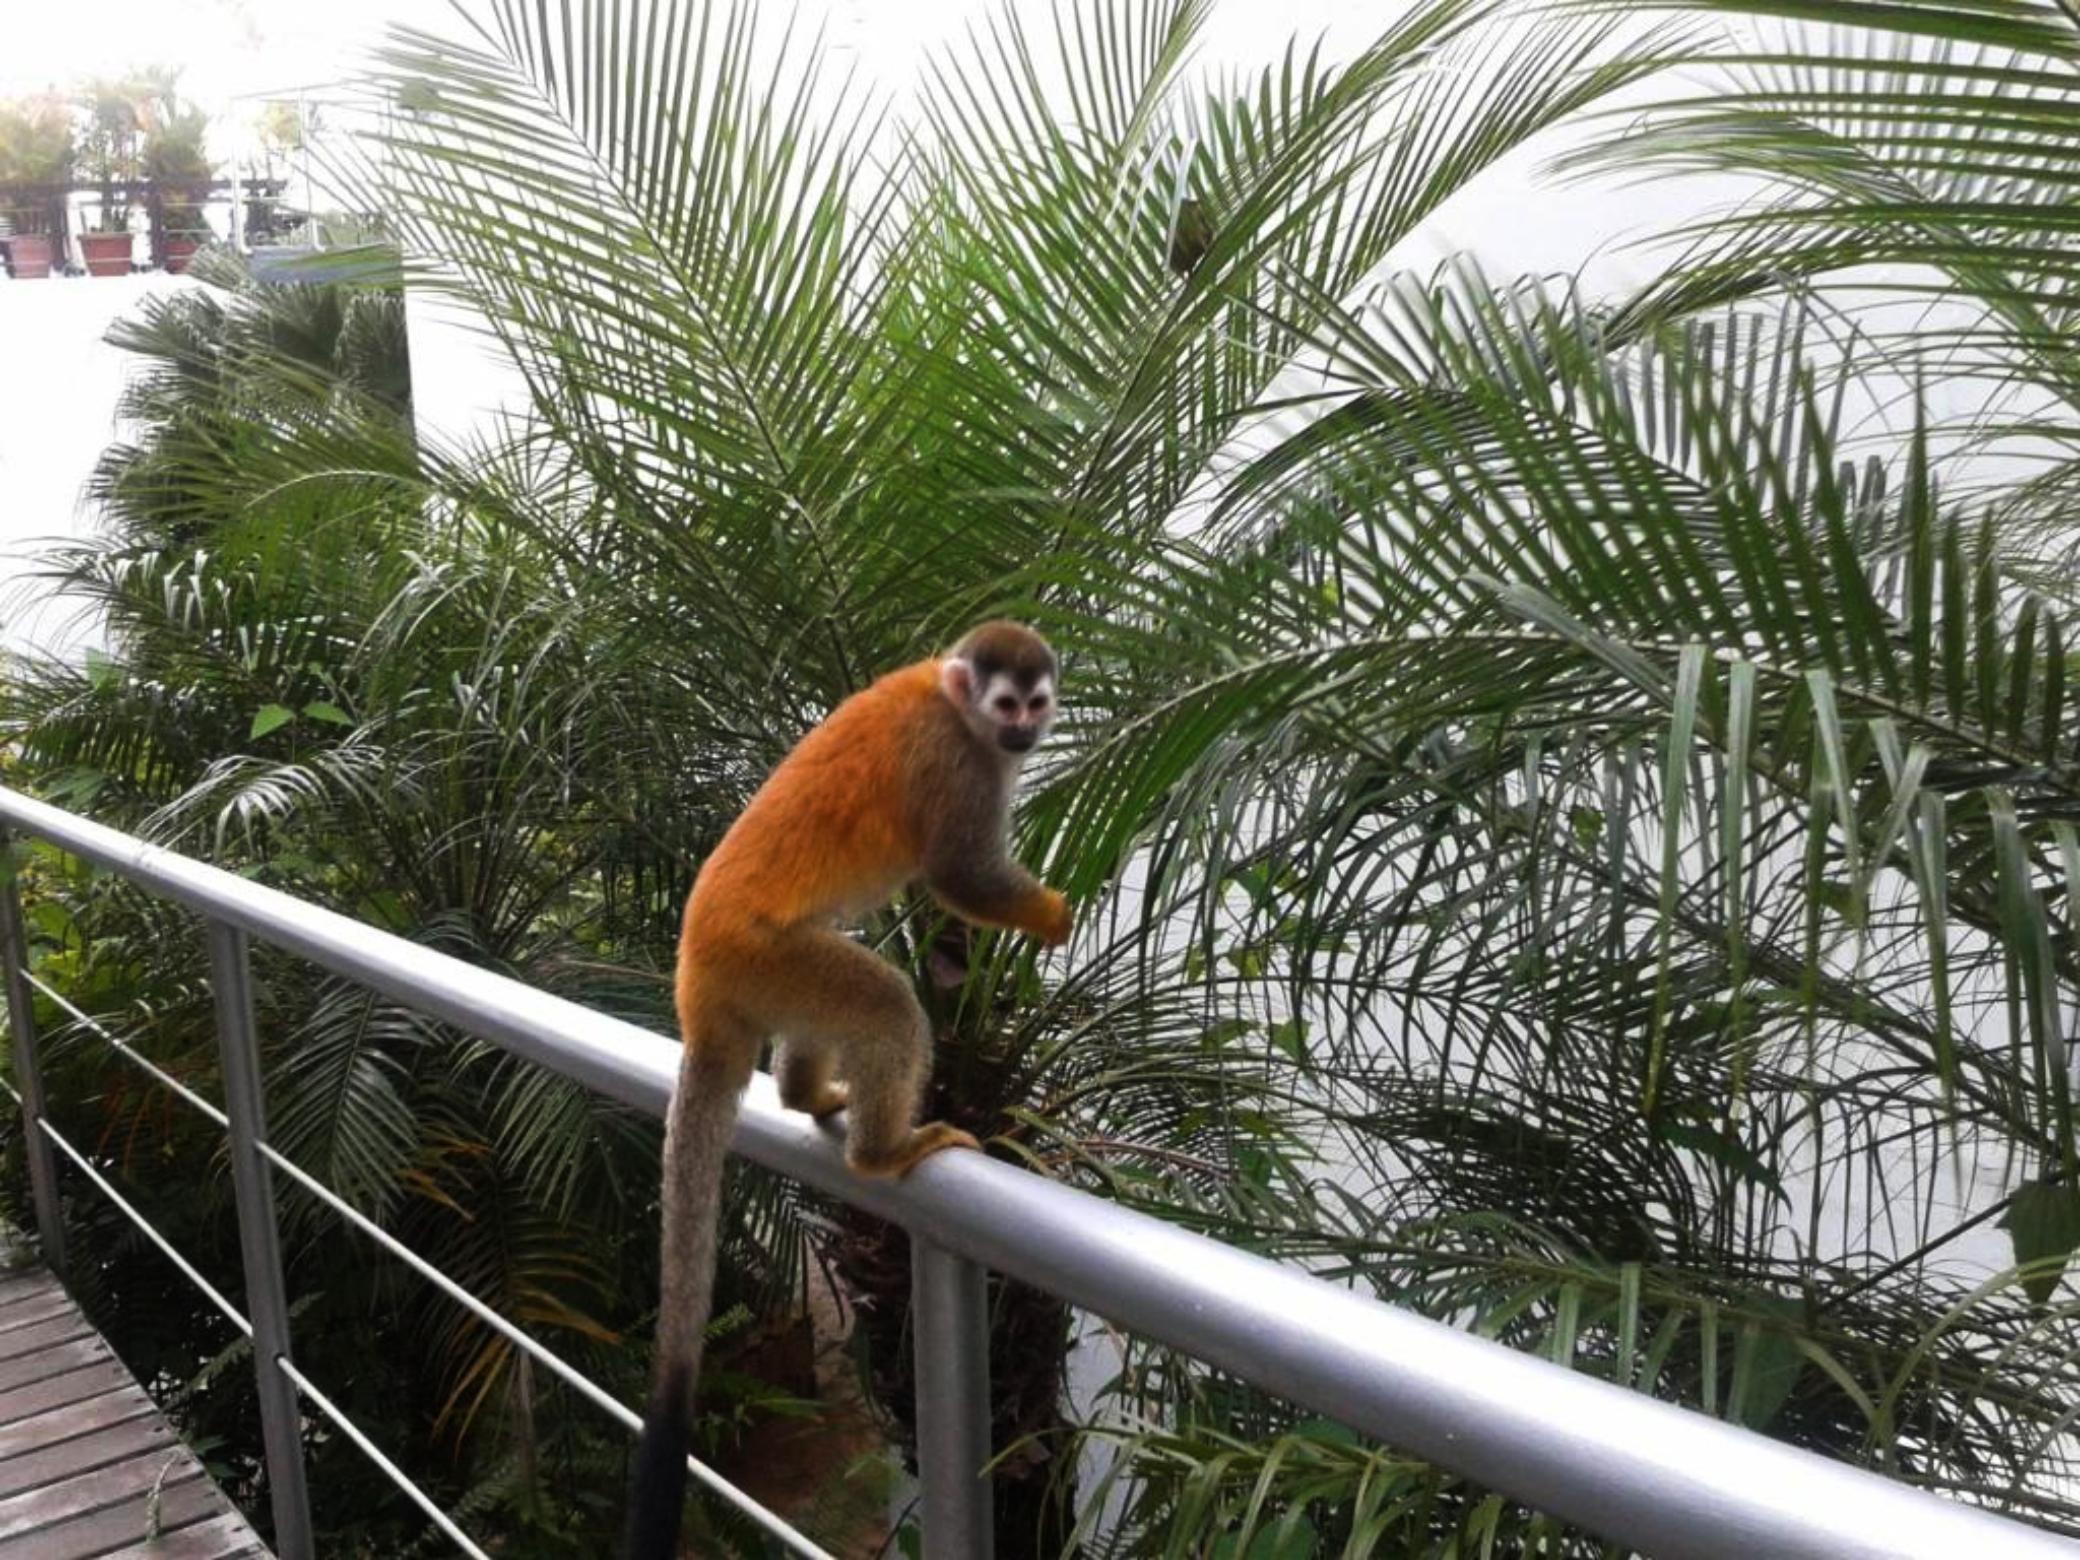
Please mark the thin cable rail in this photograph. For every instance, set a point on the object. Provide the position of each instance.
(374, 1454)
(1662, 1479)
(584, 1385)
(214, 1295)
(131, 1054)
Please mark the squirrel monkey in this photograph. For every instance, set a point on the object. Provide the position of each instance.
(909, 778)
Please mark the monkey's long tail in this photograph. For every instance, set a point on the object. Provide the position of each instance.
(696, 1141)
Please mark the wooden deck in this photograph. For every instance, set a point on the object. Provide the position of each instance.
(87, 1465)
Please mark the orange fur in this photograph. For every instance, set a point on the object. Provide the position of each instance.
(826, 833)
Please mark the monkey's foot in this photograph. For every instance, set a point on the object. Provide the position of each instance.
(926, 1141)
(823, 1102)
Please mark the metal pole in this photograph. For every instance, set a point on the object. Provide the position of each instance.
(28, 1073)
(949, 1335)
(259, 1243)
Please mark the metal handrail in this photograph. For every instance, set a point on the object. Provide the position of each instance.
(1667, 1480)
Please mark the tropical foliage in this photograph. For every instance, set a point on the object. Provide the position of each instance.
(1572, 795)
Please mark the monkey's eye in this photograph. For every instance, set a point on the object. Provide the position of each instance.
(1037, 703)
(1005, 704)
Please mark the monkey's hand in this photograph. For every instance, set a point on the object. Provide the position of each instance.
(1003, 894)
(1054, 922)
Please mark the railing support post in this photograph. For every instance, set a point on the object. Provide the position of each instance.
(28, 1072)
(258, 1240)
(949, 1335)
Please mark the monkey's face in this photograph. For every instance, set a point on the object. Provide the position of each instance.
(1001, 678)
(1017, 711)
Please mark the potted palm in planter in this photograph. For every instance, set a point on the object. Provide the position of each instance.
(35, 166)
(179, 169)
(110, 137)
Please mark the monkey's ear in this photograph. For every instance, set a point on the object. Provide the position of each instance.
(957, 680)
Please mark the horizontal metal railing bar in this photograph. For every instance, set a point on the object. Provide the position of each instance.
(232, 1314)
(130, 1054)
(598, 1396)
(374, 1454)
(1673, 1482)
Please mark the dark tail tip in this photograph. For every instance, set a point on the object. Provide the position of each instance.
(659, 1497)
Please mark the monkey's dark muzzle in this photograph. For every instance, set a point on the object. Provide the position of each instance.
(1017, 739)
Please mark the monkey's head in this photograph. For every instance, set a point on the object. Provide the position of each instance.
(1001, 679)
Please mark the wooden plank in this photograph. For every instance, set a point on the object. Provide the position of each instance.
(42, 1335)
(66, 1498)
(97, 1532)
(102, 1448)
(42, 1293)
(72, 1387)
(224, 1538)
(23, 1291)
(33, 1434)
(37, 1308)
(79, 1354)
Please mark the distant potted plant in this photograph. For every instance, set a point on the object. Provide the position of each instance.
(279, 131)
(35, 165)
(111, 136)
(179, 169)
